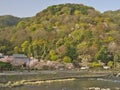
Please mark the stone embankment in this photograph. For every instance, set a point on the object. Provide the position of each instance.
(46, 75)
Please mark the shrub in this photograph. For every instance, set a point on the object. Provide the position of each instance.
(110, 63)
(94, 64)
(54, 57)
(67, 59)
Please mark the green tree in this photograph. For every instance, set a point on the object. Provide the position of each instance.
(102, 55)
(26, 48)
(16, 49)
(110, 64)
(115, 59)
(71, 52)
(39, 48)
(53, 55)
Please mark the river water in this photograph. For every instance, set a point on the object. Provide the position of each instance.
(78, 84)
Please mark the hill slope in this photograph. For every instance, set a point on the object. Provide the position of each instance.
(8, 20)
(66, 32)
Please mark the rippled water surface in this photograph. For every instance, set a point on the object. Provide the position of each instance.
(79, 84)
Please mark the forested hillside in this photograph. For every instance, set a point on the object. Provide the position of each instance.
(8, 20)
(66, 32)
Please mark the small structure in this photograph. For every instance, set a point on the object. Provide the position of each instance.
(106, 67)
(84, 68)
(20, 59)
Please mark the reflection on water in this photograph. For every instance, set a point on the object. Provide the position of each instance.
(79, 84)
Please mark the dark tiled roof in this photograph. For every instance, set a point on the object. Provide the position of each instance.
(19, 55)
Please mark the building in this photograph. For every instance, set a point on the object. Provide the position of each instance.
(20, 59)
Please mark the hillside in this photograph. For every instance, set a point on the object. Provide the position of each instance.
(65, 32)
(8, 20)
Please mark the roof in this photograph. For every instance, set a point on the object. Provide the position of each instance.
(19, 56)
(19, 59)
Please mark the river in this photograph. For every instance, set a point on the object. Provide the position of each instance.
(77, 84)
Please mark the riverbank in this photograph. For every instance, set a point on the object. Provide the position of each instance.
(49, 75)
(17, 78)
(33, 78)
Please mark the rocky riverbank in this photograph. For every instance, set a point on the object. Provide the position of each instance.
(17, 79)
(48, 75)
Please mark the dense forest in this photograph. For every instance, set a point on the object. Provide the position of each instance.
(66, 32)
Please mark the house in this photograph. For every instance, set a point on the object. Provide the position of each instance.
(20, 59)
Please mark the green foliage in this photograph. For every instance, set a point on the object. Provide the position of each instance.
(67, 59)
(115, 59)
(49, 28)
(5, 65)
(110, 64)
(71, 52)
(21, 24)
(54, 57)
(25, 47)
(102, 55)
(5, 46)
(71, 30)
(77, 12)
(7, 21)
(16, 50)
(94, 64)
(52, 52)
(82, 47)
